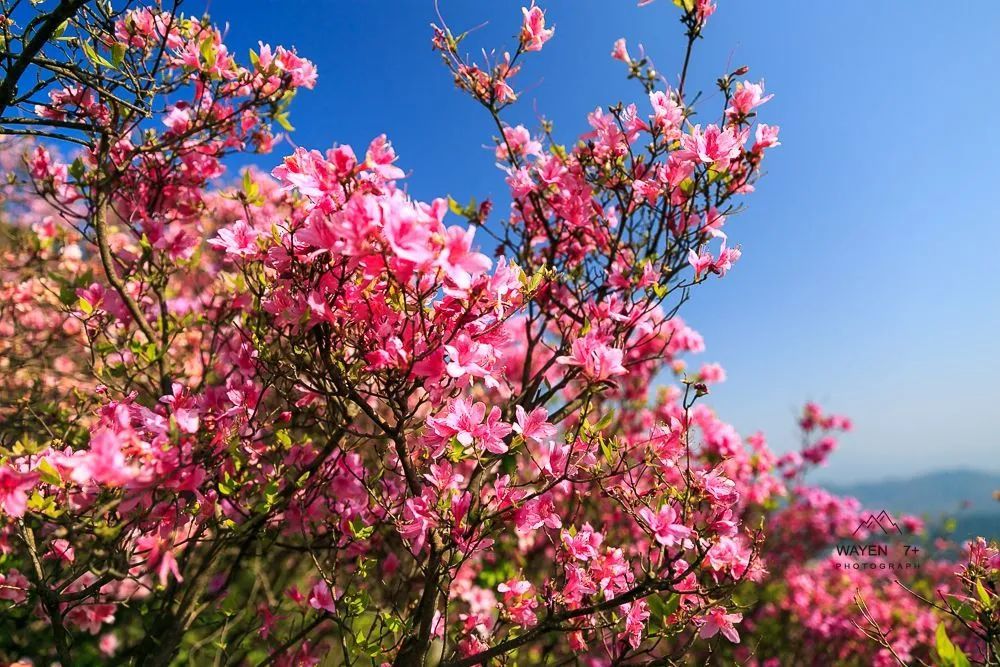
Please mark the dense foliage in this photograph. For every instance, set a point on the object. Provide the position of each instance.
(302, 418)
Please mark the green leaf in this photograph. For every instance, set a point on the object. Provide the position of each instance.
(77, 169)
(282, 120)
(984, 597)
(950, 655)
(208, 52)
(93, 56)
(117, 54)
(609, 455)
(225, 486)
(48, 473)
(360, 530)
(67, 295)
(605, 421)
(945, 649)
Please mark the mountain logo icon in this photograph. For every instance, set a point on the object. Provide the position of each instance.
(882, 520)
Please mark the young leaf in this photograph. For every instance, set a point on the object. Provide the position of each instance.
(117, 54)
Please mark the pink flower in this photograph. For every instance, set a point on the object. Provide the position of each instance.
(583, 544)
(407, 233)
(419, 517)
(302, 71)
(517, 141)
(537, 513)
(712, 373)
(158, 551)
(667, 441)
(321, 598)
(178, 120)
(519, 602)
(457, 259)
(700, 262)
(704, 9)
(665, 527)
(104, 462)
(533, 31)
(747, 97)
(464, 422)
(183, 408)
(667, 113)
(765, 136)
(380, 157)
(464, 419)
(61, 550)
(467, 357)
(728, 555)
(636, 615)
(493, 431)
(727, 257)
(533, 425)
(598, 360)
(240, 240)
(108, 644)
(620, 52)
(13, 490)
(720, 488)
(716, 621)
(14, 586)
(714, 145)
(578, 585)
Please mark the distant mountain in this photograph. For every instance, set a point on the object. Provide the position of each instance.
(953, 492)
(960, 503)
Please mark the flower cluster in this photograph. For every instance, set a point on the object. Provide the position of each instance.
(305, 416)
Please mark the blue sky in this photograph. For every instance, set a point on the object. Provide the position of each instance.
(869, 278)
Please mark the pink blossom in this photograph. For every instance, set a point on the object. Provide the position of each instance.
(519, 602)
(716, 620)
(747, 97)
(380, 157)
(14, 486)
(459, 262)
(533, 31)
(517, 143)
(108, 644)
(714, 145)
(766, 136)
(636, 615)
(712, 373)
(582, 544)
(597, 359)
(700, 262)
(666, 528)
(104, 462)
(14, 586)
(620, 52)
(493, 431)
(667, 113)
(239, 240)
(321, 598)
(61, 550)
(533, 425)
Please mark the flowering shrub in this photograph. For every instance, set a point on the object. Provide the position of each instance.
(307, 417)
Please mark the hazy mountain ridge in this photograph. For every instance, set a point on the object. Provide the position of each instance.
(951, 492)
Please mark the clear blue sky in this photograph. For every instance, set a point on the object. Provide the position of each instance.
(869, 275)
